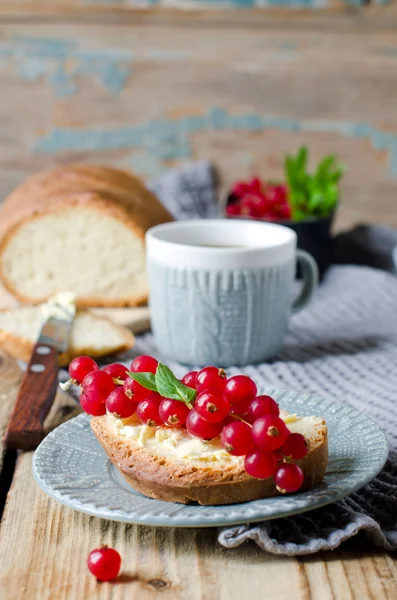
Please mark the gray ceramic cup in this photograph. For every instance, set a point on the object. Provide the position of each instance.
(221, 291)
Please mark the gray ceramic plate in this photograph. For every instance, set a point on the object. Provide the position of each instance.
(72, 468)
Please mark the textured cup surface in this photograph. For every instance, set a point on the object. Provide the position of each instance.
(221, 291)
(220, 317)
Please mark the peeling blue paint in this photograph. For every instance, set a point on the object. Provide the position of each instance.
(146, 164)
(62, 64)
(170, 140)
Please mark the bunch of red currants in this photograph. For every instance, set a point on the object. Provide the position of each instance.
(248, 425)
(259, 200)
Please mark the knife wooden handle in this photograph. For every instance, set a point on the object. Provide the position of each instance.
(35, 397)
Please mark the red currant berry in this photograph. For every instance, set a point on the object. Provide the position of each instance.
(201, 428)
(269, 433)
(104, 563)
(97, 386)
(278, 456)
(295, 446)
(173, 412)
(211, 377)
(190, 379)
(288, 478)
(233, 208)
(148, 410)
(240, 410)
(240, 388)
(81, 366)
(260, 406)
(134, 390)
(116, 371)
(260, 465)
(118, 404)
(236, 438)
(212, 406)
(144, 364)
(96, 409)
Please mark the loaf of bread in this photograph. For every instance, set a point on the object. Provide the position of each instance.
(80, 228)
(90, 335)
(168, 464)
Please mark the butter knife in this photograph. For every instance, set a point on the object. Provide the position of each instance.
(39, 385)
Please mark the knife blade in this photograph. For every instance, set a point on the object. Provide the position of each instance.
(39, 384)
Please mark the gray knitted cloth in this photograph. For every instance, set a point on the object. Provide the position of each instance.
(344, 346)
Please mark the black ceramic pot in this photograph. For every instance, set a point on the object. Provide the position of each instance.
(314, 236)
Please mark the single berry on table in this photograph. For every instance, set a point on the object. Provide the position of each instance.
(236, 438)
(240, 388)
(260, 465)
(119, 404)
(148, 410)
(261, 406)
(81, 366)
(116, 371)
(211, 405)
(173, 412)
(190, 379)
(104, 563)
(269, 433)
(201, 428)
(96, 409)
(295, 446)
(288, 478)
(134, 390)
(144, 364)
(97, 386)
(210, 377)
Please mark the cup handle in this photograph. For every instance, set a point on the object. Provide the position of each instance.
(310, 279)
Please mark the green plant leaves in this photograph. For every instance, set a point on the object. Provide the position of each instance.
(147, 380)
(169, 386)
(166, 384)
(316, 194)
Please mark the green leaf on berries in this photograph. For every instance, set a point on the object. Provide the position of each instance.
(147, 380)
(169, 386)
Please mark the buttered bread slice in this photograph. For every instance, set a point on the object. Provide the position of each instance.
(90, 335)
(169, 464)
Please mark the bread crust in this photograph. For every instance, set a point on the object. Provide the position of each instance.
(111, 191)
(181, 481)
(21, 348)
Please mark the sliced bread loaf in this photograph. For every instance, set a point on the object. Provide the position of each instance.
(169, 464)
(82, 228)
(91, 335)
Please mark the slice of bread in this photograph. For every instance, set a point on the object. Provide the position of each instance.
(91, 335)
(81, 228)
(169, 464)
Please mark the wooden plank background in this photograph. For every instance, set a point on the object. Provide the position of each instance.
(150, 91)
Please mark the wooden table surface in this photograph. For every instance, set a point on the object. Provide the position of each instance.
(44, 547)
(148, 90)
